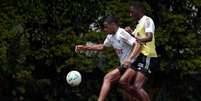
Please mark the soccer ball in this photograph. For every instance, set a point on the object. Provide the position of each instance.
(73, 78)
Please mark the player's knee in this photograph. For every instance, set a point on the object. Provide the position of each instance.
(122, 82)
(108, 78)
(136, 86)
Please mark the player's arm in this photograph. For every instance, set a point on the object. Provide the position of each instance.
(149, 30)
(148, 38)
(133, 55)
(129, 29)
(95, 47)
(135, 48)
(135, 51)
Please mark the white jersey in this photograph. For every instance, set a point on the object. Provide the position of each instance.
(122, 42)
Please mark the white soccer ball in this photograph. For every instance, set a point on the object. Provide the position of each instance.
(73, 78)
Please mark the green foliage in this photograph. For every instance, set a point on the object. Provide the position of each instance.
(37, 40)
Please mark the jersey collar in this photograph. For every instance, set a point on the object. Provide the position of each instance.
(118, 31)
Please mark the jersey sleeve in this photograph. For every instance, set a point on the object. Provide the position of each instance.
(149, 25)
(128, 38)
(107, 42)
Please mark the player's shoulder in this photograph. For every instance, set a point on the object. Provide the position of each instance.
(122, 32)
(109, 36)
(148, 19)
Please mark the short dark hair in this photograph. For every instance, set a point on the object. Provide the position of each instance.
(111, 19)
(137, 5)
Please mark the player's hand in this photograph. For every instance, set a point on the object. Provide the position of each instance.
(128, 29)
(127, 63)
(79, 48)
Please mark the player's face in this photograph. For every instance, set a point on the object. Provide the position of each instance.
(133, 12)
(108, 28)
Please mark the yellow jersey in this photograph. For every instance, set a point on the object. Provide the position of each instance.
(145, 25)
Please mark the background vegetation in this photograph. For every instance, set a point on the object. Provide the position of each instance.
(37, 39)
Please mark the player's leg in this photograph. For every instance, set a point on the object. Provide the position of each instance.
(129, 97)
(127, 77)
(125, 81)
(109, 79)
(142, 65)
(137, 87)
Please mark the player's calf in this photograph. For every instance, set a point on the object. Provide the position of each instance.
(108, 80)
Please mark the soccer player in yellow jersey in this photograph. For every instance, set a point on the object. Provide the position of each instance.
(144, 33)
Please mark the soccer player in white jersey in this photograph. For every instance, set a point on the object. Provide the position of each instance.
(144, 33)
(126, 47)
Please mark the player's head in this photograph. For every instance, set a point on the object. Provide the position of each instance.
(136, 10)
(110, 24)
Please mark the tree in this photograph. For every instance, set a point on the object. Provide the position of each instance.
(37, 40)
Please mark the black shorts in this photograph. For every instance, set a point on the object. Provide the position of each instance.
(144, 64)
(122, 69)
